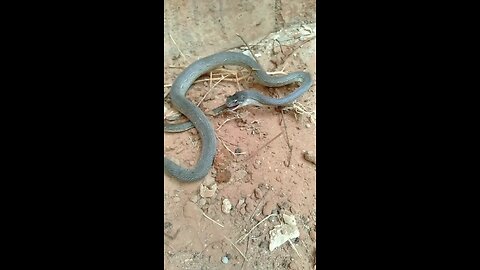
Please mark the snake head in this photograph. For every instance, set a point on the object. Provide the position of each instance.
(237, 100)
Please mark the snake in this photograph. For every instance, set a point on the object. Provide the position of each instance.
(240, 99)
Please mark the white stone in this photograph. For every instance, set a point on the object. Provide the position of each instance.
(206, 192)
(226, 206)
(282, 233)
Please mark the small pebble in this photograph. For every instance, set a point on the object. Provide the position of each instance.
(225, 259)
(310, 156)
(202, 202)
(268, 208)
(307, 126)
(209, 180)
(226, 206)
(250, 206)
(206, 192)
(313, 235)
(240, 203)
(258, 193)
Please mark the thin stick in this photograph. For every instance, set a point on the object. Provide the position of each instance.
(248, 46)
(246, 251)
(236, 248)
(293, 246)
(212, 220)
(231, 152)
(264, 145)
(211, 88)
(228, 119)
(261, 201)
(175, 43)
(243, 237)
(215, 79)
(281, 47)
(288, 141)
(238, 84)
(165, 94)
(168, 245)
(211, 77)
(277, 73)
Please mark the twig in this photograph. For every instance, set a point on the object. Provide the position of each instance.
(243, 237)
(238, 83)
(288, 141)
(246, 251)
(175, 43)
(236, 248)
(231, 152)
(168, 245)
(211, 88)
(264, 146)
(228, 119)
(261, 201)
(211, 79)
(299, 108)
(248, 46)
(277, 73)
(281, 47)
(293, 246)
(165, 94)
(212, 220)
(206, 80)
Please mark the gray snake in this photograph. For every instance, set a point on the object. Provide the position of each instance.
(242, 98)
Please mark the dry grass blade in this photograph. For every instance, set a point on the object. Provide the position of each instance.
(243, 237)
(176, 46)
(236, 248)
(300, 109)
(290, 147)
(294, 248)
(226, 147)
(265, 145)
(211, 88)
(226, 121)
(248, 46)
(212, 220)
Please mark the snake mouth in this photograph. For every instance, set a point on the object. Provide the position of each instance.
(236, 107)
(218, 110)
(223, 108)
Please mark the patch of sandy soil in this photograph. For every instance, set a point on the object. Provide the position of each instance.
(264, 167)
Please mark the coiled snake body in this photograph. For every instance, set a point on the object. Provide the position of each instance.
(239, 99)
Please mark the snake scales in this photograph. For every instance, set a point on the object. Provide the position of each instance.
(242, 98)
